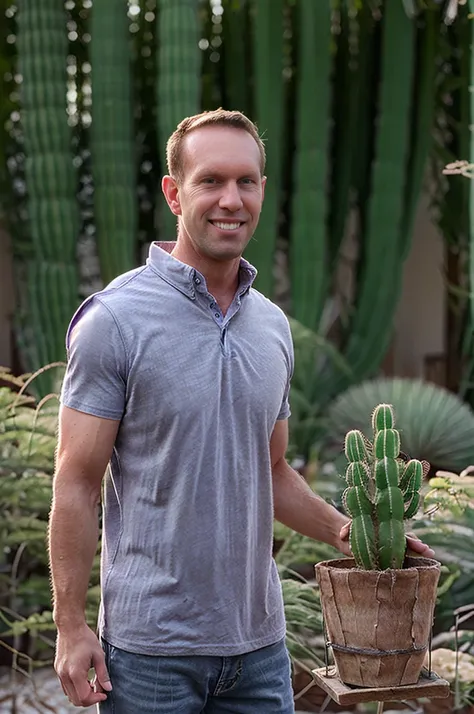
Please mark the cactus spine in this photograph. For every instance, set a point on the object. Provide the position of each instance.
(382, 491)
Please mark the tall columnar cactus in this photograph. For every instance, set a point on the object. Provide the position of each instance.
(178, 88)
(237, 64)
(308, 259)
(49, 277)
(112, 139)
(269, 112)
(471, 198)
(371, 328)
(382, 491)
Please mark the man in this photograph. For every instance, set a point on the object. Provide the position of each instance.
(178, 374)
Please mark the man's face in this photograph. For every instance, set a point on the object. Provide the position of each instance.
(220, 196)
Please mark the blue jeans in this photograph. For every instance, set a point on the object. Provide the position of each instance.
(255, 683)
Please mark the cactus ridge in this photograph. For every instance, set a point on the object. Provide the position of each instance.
(382, 491)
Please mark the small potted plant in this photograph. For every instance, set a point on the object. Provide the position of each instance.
(378, 606)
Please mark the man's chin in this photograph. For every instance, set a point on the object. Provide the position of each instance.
(227, 252)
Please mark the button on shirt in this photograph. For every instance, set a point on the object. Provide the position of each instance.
(187, 563)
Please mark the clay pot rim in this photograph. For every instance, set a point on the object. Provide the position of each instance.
(344, 564)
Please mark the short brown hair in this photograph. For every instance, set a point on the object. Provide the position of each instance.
(219, 116)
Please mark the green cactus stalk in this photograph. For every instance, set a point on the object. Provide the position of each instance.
(382, 492)
(308, 259)
(372, 327)
(269, 112)
(47, 278)
(471, 183)
(237, 66)
(112, 140)
(178, 88)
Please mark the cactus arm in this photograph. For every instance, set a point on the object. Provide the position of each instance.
(362, 532)
(412, 505)
(410, 483)
(358, 474)
(412, 476)
(355, 447)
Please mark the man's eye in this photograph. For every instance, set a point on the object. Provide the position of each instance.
(247, 180)
(209, 180)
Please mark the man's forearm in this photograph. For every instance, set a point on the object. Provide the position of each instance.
(299, 508)
(73, 537)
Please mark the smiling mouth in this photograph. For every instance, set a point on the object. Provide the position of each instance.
(227, 226)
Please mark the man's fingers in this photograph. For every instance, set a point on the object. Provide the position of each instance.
(344, 532)
(79, 690)
(87, 696)
(102, 678)
(415, 544)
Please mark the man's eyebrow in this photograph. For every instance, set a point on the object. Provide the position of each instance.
(252, 173)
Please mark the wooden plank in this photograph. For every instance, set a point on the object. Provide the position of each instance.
(429, 687)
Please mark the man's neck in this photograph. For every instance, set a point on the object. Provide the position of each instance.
(222, 277)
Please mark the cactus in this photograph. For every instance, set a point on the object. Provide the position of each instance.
(268, 46)
(371, 328)
(112, 140)
(48, 281)
(237, 66)
(382, 491)
(178, 84)
(308, 259)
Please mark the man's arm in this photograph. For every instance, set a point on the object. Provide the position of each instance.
(299, 508)
(85, 444)
(296, 505)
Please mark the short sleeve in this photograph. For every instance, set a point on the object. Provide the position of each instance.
(285, 410)
(96, 372)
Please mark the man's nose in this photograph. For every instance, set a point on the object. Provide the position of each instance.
(230, 198)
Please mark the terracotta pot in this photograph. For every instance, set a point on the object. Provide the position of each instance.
(378, 622)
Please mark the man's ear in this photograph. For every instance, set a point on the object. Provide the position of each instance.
(171, 193)
(264, 181)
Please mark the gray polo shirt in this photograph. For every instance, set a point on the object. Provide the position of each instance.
(187, 563)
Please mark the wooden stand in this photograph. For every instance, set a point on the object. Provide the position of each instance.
(430, 687)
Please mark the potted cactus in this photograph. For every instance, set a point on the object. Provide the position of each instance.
(378, 606)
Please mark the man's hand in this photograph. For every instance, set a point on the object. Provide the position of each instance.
(77, 651)
(416, 547)
(414, 544)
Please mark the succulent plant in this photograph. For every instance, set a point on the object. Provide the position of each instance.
(383, 489)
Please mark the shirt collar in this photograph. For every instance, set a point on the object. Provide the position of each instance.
(186, 278)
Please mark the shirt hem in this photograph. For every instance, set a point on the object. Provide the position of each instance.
(215, 650)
